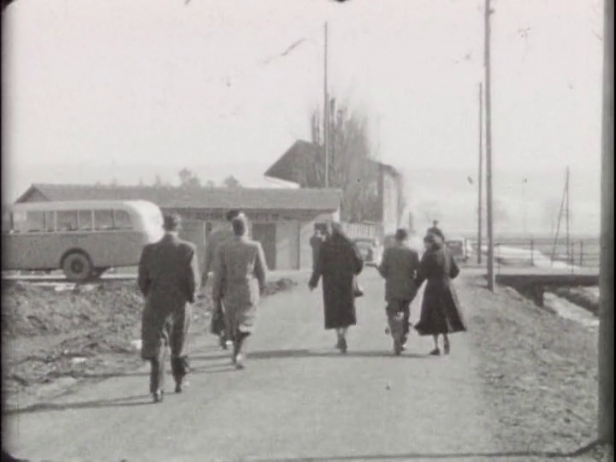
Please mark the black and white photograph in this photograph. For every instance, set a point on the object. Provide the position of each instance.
(307, 230)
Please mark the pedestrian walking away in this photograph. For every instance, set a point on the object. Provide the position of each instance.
(315, 242)
(214, 240)
(436, 230)
(338, 265)
(168, 279)
(240, 274)
(399, 267)
(440, 310)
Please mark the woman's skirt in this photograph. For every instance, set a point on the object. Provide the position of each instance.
(440, 310)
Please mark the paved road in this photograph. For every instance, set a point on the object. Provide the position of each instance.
(298, 400)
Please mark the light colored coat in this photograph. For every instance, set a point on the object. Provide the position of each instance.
(399, 267)
(240, 275)
(168, 278)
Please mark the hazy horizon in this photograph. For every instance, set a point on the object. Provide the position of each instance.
(126, 90)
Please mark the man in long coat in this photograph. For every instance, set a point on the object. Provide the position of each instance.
(168, 278)
(399, 267)
(240, 273)
(215, 239)
(435, 230)
(339, 264)
(315, 242)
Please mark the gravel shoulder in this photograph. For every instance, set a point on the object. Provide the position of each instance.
(539, 371)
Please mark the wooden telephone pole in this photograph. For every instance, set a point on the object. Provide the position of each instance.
(606, 273)
(480, 178)
(489, 193)
(325, 109)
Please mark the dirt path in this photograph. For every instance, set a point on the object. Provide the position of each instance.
(298, 400)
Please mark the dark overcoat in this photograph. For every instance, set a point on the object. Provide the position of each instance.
(168, 278)
(338, 264)
(399, 267)
(440, 309)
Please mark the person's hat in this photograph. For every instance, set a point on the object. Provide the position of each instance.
(172, 222)
(231, 214)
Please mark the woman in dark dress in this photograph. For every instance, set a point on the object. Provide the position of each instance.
(339, 262)
(440, 309)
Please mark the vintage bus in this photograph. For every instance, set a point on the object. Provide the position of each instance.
(83, 239)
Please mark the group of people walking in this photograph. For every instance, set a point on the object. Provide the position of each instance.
(170, 282)
(337, 262)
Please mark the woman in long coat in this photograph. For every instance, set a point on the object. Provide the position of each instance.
(440, 309)
(339, 263)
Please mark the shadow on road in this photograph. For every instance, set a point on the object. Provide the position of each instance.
(129, 401)
(275, 354)
(443, 456)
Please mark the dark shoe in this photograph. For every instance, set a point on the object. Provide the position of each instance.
(398, 347)
(180, 385)
(158, 396)
(343, 345)
(435, 352)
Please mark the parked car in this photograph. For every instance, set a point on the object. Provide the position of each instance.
(459, 247)
(370, 250)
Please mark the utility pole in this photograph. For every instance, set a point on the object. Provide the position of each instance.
(606, 272)
(325, 110)
(480, 178)
(489, 192)
(567, 219)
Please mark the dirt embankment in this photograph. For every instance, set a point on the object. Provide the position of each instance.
(86, 332)
(540, 370)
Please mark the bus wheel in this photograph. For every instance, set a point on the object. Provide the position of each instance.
(77, 266)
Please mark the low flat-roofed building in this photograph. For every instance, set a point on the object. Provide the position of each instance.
(281, 219)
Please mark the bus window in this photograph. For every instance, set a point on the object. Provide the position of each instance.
(67, 220)
(122, 220)
(85, 220)
(103, 220)
(34, 222)
(49, 222)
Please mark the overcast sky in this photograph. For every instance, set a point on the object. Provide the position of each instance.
(130, 88)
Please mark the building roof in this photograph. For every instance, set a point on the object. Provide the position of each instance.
(202, 198)
(302, 152)
(298, 153)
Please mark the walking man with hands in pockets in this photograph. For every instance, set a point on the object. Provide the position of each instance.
(168, 278)
(399, 267)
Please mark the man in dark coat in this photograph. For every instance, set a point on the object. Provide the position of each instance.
(399, 268)
(168, 278)
(315, 242)
(436, 231)
(440, 309)
(339, 263)
(217, 237)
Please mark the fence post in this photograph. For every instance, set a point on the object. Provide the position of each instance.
(572, 258)
(581, 254)
(532, 253)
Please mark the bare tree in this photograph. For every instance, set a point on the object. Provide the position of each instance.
(231, 182)
(188, 179)
(158, 182)
(351, 164)
(210, 184)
